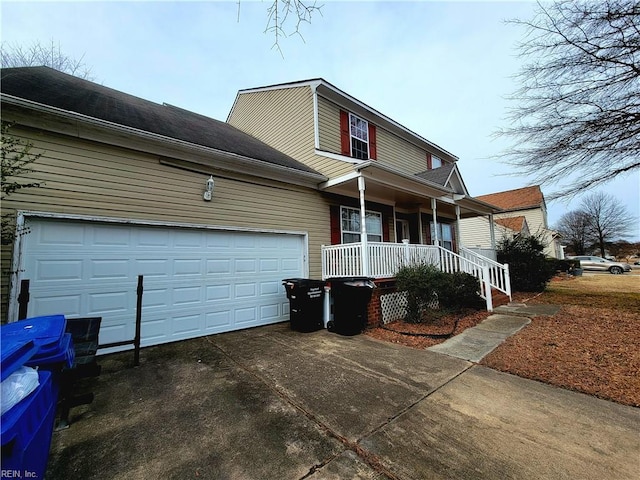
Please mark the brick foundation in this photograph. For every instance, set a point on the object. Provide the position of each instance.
(374, 310)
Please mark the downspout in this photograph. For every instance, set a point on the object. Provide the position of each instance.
(316, 130)
(492, 232)
(363, 229)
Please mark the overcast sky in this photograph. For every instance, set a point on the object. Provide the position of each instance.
(441, 69)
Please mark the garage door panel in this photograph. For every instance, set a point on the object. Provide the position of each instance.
(196, 282)
(109, 269)
(58, 270)
(107, 236)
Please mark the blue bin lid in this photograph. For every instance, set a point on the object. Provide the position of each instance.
(65, 353)
(14, 352)
(46, 332)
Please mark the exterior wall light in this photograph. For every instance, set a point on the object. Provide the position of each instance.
(209, 189)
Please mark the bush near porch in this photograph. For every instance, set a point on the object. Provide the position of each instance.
(429, 289)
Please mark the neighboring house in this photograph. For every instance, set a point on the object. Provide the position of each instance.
(522, 208)
(512, 227)
(122, 196)
(292, 173)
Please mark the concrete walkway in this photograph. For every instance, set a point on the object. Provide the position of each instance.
(477, 342)
(271, 403)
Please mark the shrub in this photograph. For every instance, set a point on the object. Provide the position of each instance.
(426, 287)
(528, 266)
(460, 290)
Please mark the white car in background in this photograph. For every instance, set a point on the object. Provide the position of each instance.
(588, 262)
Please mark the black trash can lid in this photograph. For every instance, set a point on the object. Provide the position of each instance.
(364, 282)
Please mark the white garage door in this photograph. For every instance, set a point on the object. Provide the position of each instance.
(196, 281)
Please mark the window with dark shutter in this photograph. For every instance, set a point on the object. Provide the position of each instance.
(357, 137)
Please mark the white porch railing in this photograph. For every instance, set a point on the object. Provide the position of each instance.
(490, 253)
(385, 259)
(498, 272)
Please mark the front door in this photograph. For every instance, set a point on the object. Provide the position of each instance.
(402, 230)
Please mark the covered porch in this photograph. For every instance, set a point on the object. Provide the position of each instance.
(423, 228)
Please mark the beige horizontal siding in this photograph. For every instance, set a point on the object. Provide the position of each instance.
(400, 154)
(475, 232)
(86, 178)
(284, 119)
(391, 149)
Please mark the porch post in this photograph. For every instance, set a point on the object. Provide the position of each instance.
(492, 232)
(420, 230)
(458, 240)
(364, 250)
(436, 236)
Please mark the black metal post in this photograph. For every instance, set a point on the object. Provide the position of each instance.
(136, 340)
(23, 299)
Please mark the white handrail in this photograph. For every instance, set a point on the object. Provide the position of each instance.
(498, 272)
(385, 259)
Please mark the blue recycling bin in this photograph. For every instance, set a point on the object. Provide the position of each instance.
(27, 428)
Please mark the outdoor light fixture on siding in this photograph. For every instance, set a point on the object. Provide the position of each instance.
(209, 189)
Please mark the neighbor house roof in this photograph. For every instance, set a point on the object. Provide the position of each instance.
(518, 199)
(513, 223)
(52, 88)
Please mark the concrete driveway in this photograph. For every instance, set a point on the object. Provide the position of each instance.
(270, 403)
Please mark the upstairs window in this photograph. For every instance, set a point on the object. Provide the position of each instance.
(433, 162)
(357, 137)
(359, 132)
(350, 223)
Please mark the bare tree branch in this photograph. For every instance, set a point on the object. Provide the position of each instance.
(578, 107)
(280, 12)
(36, 55)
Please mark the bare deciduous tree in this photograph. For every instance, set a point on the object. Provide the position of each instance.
(607, 218)
(577, 111)
(37, 54)
(574, 228)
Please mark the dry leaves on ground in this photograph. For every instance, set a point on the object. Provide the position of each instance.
(592, 345)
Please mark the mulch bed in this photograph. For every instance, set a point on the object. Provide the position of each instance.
(436, 329)
(591, 345)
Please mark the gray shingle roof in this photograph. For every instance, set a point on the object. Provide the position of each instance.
(56, 89)
(438, 175)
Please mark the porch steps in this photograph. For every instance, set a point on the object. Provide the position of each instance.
(499, 298)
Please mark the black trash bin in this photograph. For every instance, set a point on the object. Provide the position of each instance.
(350, 303)
(306, 303)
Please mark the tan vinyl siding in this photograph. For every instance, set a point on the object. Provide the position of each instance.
(391, 149)
(329, 126)
(87, 178)
(475, 232)
(400, 154)
(284, 119)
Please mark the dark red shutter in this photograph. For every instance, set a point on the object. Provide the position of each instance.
(336, 234)
(373, 149)
(429, 164)
(345, 140)
(385, 227)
